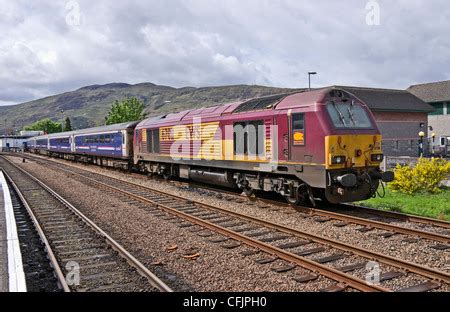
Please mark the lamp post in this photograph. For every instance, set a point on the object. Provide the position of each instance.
(421, 136)
(309, 78)
(62, 123)
(433, 140)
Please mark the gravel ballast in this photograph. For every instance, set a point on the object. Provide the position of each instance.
(419, 252)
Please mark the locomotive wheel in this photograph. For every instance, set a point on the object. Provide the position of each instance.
(166, 176)
(249, 192)
(311, 196)
(300, 197)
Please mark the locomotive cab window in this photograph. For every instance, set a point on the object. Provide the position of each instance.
(298, 129)
(349, 115)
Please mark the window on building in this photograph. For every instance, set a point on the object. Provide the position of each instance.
(439, 109)
(411, 144)
(395, 144)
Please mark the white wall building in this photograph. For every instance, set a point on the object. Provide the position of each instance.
(12, 142)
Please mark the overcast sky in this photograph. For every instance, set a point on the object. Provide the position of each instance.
(46, 47)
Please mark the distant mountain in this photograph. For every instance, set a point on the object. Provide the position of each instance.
(89, 105)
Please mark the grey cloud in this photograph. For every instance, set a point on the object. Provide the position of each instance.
(203, 43)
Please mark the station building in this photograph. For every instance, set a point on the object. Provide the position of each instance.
(436, 94)
(400, 115)
(16, 142)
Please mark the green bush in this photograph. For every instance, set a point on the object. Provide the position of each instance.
(426, 176)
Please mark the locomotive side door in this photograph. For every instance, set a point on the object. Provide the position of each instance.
(297, 137)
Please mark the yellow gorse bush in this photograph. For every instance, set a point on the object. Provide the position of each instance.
(426, 176)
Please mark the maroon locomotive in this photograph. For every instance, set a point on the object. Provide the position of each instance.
(320, 144)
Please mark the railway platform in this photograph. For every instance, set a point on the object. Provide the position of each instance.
(12, 277)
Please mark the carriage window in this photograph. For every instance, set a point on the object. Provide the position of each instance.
(298, 129)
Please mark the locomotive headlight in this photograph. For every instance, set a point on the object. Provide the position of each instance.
(377, 157)
(338, 160)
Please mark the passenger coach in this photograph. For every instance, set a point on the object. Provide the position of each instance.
(110, 146)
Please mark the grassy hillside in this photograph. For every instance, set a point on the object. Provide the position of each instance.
(88, 106)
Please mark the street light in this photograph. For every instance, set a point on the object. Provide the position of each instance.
(62, 123)
(433, 138)
(309, 78)
(421, 136)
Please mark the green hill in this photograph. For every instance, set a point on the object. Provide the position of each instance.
(89, 105)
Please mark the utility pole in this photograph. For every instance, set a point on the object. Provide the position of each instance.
(62, 122)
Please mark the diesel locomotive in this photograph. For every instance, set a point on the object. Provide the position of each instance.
(322, 144)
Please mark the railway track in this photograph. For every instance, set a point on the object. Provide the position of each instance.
(295, 247)
(438, 230)
(352, 214)
(78, 249)
(39, 265)
(369, 218)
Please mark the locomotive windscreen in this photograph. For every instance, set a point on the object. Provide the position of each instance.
(349, 115)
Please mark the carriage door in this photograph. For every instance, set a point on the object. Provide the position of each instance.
(297, 140)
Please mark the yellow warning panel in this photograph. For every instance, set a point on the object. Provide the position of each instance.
(299, 138)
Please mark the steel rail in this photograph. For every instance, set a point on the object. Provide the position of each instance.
(51, 256)
(153, 279)
(400, 216)
(282, 254)
(380, 225)
(413, 268)
(388, 214)
(401, 264)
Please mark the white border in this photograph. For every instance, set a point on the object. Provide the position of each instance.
(16, 275)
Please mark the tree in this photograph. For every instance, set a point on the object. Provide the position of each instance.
(47, 125)
(129, 109)
(67, 125)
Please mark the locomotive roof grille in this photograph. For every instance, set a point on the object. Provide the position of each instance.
(262, 103)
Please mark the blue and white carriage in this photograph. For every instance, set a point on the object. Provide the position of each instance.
(107, 145)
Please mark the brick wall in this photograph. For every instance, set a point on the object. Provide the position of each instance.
(401, 132)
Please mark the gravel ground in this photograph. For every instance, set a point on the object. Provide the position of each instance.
(419, 252)
(153, 240)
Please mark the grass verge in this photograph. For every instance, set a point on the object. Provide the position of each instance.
(427, 205)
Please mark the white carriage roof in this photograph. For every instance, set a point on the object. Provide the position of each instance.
(115, 127)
